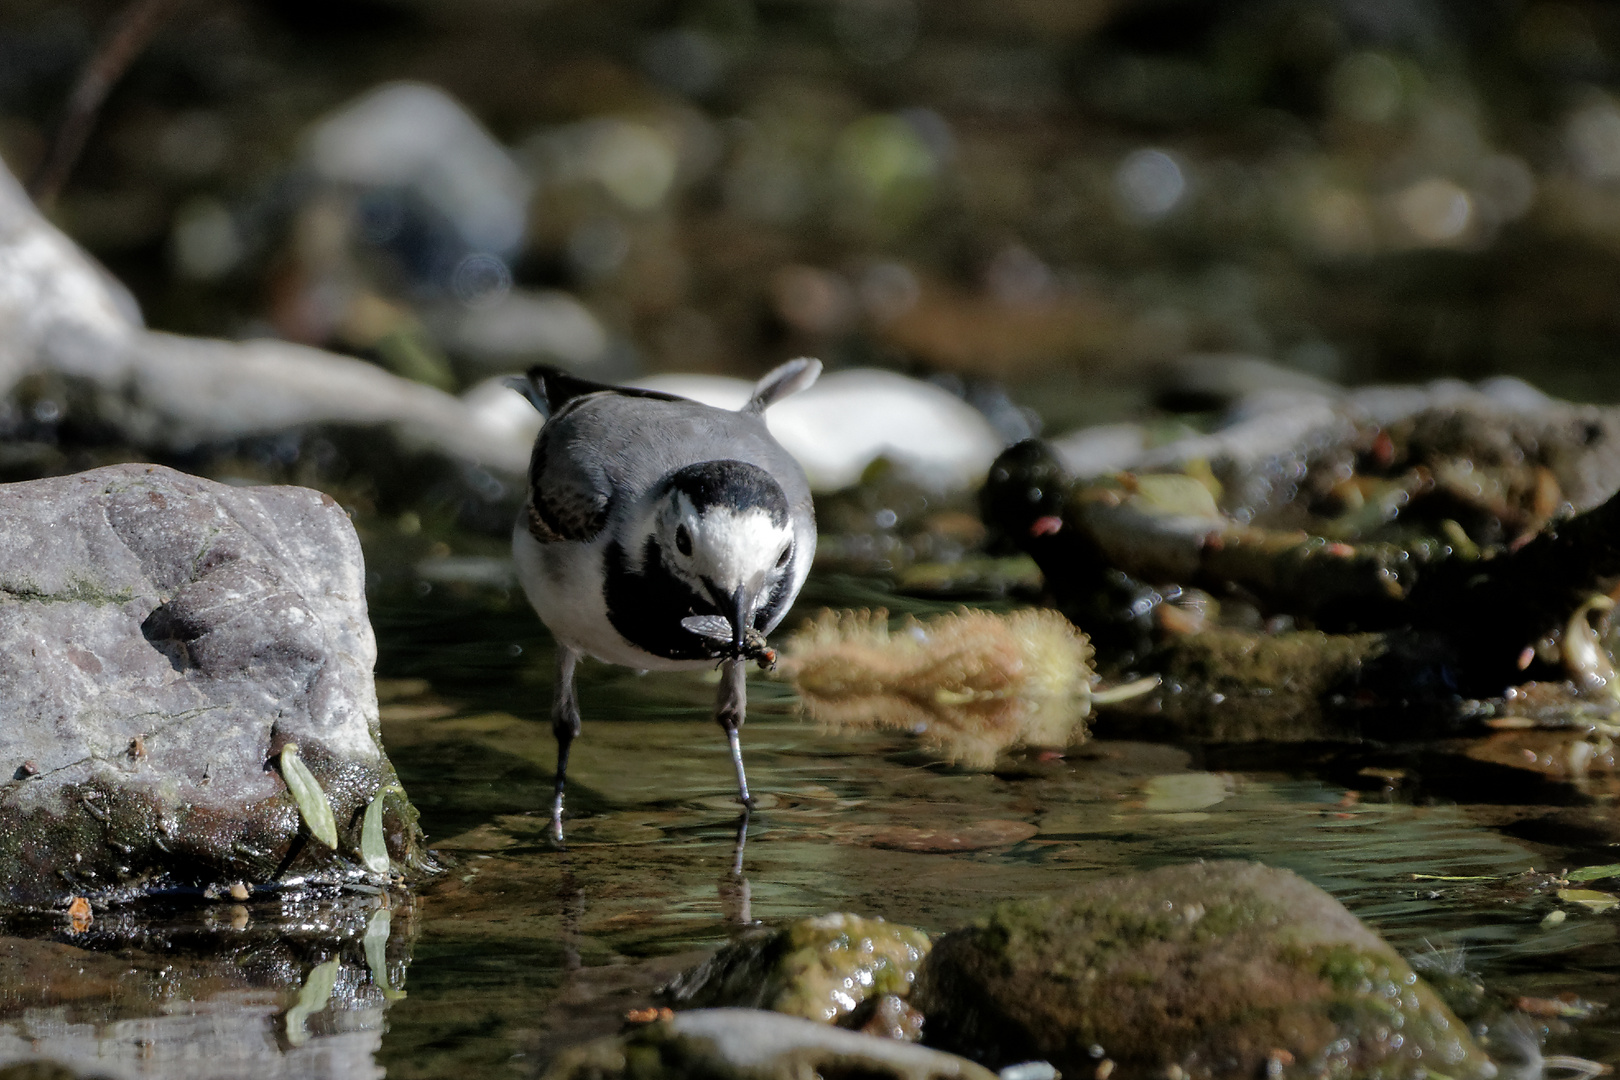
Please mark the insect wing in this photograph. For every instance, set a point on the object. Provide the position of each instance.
(709, 626)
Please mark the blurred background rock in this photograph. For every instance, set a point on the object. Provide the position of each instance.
(1056, 197)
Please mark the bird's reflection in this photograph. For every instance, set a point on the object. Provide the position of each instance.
(733, 888)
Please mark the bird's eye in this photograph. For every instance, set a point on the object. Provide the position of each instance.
(683, 540)
(782, 559)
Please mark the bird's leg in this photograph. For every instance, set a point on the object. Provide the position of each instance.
(564, 725)
(730, 708)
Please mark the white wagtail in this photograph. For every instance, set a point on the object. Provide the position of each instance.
(661, 533)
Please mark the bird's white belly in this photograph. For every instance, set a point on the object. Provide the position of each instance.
(563, 582)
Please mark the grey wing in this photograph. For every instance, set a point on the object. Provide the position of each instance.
(569, 497)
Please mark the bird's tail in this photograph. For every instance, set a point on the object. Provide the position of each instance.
(549, 389)
(782, 381)
(532, 385)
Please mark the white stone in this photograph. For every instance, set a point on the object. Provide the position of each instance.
(416, 136)
(851, 418)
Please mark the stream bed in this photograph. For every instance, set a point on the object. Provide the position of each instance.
(519, 949)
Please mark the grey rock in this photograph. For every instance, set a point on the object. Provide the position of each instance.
(161, 638)
(1101, 449)
(851, 418)
(67, 328)
(526, 328)
(747, 1044)
(1201, 970)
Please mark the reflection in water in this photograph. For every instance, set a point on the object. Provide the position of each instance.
(283, 987)
(736, 895)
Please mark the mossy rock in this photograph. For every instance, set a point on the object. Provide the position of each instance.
(820, 968)
(1223, 969)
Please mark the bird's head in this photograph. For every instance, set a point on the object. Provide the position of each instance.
(724, 529)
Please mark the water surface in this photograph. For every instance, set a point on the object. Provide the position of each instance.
(519, 949)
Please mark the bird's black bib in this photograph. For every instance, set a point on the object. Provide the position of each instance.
(646, 607)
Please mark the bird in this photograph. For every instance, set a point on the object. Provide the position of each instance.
(660, 533)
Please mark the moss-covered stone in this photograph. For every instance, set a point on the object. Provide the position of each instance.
(1219, 969)
(821, 969)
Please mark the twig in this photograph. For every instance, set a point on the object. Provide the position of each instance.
(131, 31)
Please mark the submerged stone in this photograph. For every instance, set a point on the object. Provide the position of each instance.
(1227, 685)
(821, 969)
(748, 1044)
(1221, 969)
(162, 639)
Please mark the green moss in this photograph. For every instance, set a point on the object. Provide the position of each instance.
(820, 968)
(1094, 929)
(1219, 962)
(77, 591)
(1385, 1010)
(1234, 686)
(1307, 662)
(105, 838)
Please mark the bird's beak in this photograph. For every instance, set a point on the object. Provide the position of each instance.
(739, 611)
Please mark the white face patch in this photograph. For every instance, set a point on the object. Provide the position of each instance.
(734, 548)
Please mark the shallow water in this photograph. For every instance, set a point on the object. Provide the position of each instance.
(519, 949)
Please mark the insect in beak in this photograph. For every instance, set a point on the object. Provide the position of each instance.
(718, 631)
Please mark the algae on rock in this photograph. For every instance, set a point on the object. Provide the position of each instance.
(1464, 530)
(1228, 685)
(1216, 969)
(821, 968)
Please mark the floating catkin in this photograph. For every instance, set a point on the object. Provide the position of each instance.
(971, 685)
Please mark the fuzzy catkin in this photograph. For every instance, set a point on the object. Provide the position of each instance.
(970, 685)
